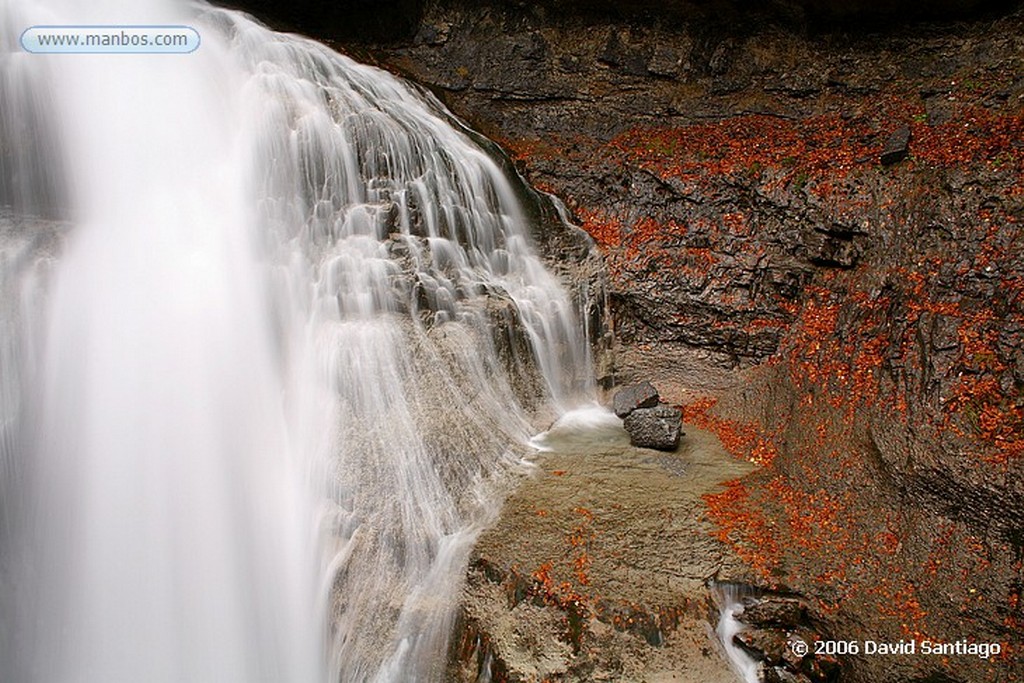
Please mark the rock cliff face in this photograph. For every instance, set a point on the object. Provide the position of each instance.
(373, 21)
(854, 322)
(813, 240)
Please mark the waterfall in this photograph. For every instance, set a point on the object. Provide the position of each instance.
(272, 327)
(729, 598)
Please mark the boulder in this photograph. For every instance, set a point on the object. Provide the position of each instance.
(660, 427)
(634, 396)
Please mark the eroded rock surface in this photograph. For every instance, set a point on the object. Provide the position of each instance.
(596, 569)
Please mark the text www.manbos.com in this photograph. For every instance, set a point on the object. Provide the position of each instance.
(110, 39)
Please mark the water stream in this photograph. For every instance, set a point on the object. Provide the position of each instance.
(269, 324)
(730, 601)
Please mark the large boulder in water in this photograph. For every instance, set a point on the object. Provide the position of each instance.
(660, 427)
(634, 396)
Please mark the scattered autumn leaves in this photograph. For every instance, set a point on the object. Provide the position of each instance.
(858, 343)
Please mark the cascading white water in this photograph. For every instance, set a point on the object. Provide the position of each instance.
(730, 600)
(166, 530)
(270, 395)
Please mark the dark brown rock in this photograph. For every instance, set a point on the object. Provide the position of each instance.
(896, 147)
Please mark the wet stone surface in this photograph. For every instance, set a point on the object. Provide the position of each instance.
(659, 427)
(633, 397)
(596, 567)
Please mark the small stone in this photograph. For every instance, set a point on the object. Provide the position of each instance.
(659, 428)
(634, 396)
(897, 147)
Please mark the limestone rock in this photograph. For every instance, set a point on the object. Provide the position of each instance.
(660, 427)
